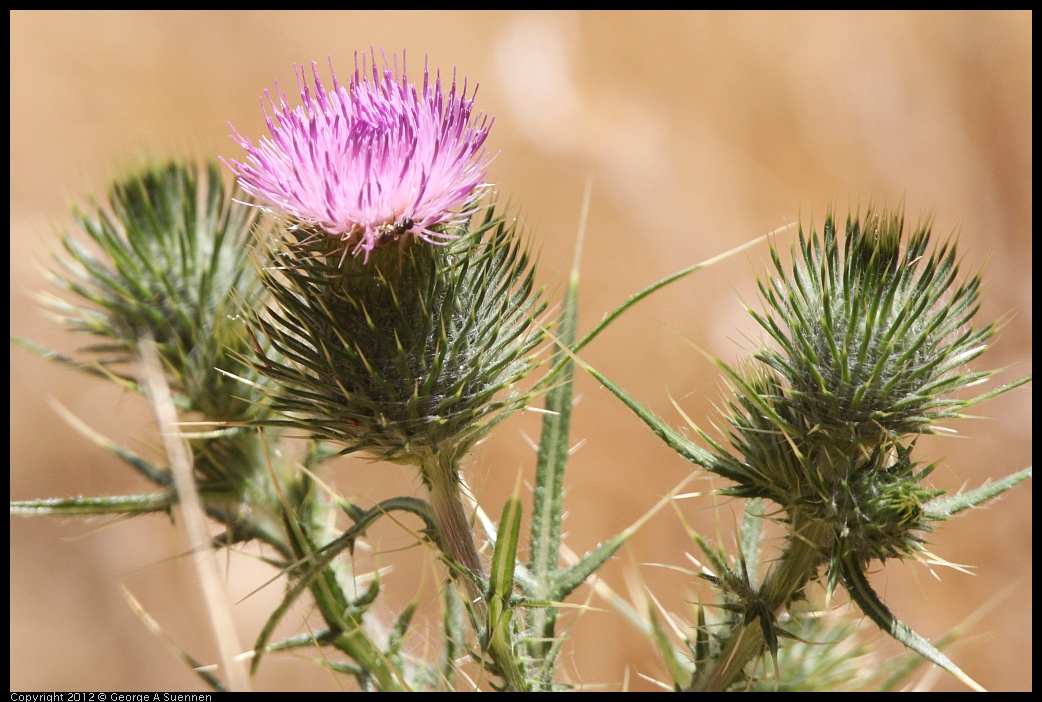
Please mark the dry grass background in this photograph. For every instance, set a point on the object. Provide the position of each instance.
(699, 132)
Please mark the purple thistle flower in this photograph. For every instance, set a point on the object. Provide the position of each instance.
(372, 161)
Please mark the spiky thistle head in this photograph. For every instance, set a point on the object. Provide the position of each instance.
(172, 265)
(373, 161)
(872, 336)
(872, 333)
(412, 354)
(172, 262)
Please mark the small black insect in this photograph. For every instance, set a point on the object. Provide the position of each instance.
(390, 232)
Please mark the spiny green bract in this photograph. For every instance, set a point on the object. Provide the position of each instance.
(410, 354)
(873, 335)
(174, 255)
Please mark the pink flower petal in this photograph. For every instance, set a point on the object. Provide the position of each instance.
(359, 161)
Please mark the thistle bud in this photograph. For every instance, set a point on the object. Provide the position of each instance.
(872, 335)
(173, 266)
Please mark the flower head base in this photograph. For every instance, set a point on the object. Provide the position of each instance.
(402, 357)
(371, 162)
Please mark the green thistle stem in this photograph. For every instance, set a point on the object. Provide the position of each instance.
(336, 607)
(357, 645)
(798, 565)
(441, 475)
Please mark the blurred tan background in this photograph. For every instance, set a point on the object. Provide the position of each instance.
(698, 131)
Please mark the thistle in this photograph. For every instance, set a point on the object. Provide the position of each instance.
(361, 288)
(173, 266)
(872, 334)
(400, 327)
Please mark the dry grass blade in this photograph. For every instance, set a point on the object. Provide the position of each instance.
(194, 519)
